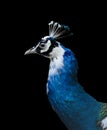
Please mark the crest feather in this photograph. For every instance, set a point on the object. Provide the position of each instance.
(57, 30)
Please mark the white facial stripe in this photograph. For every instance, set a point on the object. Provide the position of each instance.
(57, 62)
(57, 51)
(45, 37)
(48, 44)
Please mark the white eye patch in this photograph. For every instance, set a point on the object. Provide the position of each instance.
(46, 48)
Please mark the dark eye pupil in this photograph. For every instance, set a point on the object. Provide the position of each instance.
(42, 45)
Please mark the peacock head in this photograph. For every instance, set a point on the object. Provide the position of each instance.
(48, 46)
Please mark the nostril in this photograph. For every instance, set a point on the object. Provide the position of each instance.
(33, 47)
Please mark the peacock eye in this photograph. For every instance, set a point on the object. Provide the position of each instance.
(42, 45)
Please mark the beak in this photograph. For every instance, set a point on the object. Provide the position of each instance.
(30, 51)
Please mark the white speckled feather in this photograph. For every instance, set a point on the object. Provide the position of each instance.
(104, 123)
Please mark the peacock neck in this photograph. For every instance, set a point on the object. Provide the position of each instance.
(62, 78)
(67, 96)
(63, 72)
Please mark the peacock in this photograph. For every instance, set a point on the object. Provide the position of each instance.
(77, 109)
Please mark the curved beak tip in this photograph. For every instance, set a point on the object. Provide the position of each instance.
(27, 52)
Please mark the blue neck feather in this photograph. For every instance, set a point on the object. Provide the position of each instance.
(67, 96)
(65, 80)
(66, 77)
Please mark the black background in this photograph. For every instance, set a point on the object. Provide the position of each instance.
(29, 103)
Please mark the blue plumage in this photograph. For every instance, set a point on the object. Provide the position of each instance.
(77, 109)
(68, 98)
